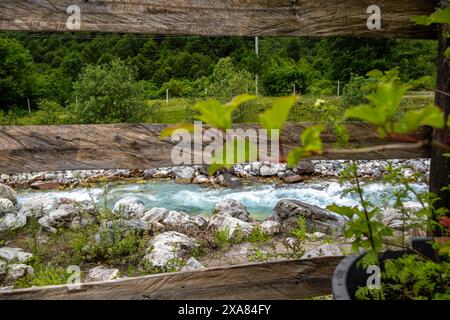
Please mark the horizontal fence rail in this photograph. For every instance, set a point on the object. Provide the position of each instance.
(221, 17)
(138, 146)
(270, 280)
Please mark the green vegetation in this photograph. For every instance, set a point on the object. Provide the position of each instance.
(86, 78)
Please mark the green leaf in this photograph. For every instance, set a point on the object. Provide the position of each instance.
(343, 210)
(276, 117)
(311, 145)
(366, 113)
(311, 139)
(429, 116)
(243, 98)
(216, 115)
(167, 132)
(440, 16)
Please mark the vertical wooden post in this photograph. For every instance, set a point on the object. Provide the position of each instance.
(440, 165)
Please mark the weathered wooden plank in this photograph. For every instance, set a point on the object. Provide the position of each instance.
(272, 280)
(221, 17)
(138, 146)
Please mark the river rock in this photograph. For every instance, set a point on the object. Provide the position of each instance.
(292, 178)
(8, 193)
(229, 181)
(43, 185)
(200, 179)
(14, 254)
(201, 221)
(287, 211)
(184, 173)
(39, 206)
(324, 250)
(129, 207)
(155, 214)
(272, 170)
(232, 225)
(176, 219)
(62, 217)
(232, 208)
(17, 271)
(305, 167)
(6, 206)
(192, 264)
(271, 227)
(168, 247)
(100, 274)
(123, 225)
(12, 221)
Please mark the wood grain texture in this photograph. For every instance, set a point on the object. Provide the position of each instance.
(138, 146)
(222, 17)
(272, 280)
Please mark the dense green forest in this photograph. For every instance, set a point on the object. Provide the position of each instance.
(93, 78)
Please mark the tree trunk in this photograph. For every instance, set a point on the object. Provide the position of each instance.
(440, 165)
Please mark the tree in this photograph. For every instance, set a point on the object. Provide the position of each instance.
(109, 93)
(16, 69)
(227, 81)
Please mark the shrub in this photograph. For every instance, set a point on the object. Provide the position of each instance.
(109, 93)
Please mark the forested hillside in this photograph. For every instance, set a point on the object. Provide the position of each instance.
(58, 72)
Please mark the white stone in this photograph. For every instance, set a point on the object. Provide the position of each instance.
(184, 173)
(167, 247)
(130, 207)
(232, 225)
(192, 264)
(12, 221)
(17, 271)
(6, 206)
(155, 214)
(39, 206)
(14, 254)
(101, 273)
(8, 193)
(271, 227)
(324, 250)
(176, 219)
(233, 208)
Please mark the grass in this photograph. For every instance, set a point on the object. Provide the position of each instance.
(180, 110)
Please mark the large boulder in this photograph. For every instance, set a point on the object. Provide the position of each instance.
(229, 181)
(6, 206)
(39, 206)
(317, 219)
(129, 207)
(232, 208)
(62, 217)
(233, 226)
(176, 219)
(14, 254)
(325, 250)
(17, 271)
(271, 227)
(168, 248)
(8, 193)
(12, 221)
(155, 214)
